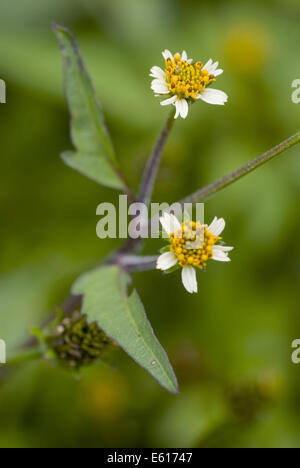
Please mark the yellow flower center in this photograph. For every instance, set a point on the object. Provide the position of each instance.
(185, 80)
(193, 244)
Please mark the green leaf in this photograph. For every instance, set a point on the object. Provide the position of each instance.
(94, 156)
(37, 333)
(123, 319)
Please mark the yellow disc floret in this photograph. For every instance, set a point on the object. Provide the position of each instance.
(186, 80)
(193, 244)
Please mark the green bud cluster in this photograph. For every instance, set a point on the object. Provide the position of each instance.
(76, 343)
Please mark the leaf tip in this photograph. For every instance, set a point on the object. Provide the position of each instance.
(174, 390)
(62, 31)
(54, 26)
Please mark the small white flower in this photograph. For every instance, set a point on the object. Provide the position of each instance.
(184, 82)
(191, 246)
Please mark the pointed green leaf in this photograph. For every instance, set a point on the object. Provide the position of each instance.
(123, 319)
(94, 156)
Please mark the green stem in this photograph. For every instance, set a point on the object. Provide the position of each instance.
(210, 189)
(152, 166)
(135, 263)
(148, 179)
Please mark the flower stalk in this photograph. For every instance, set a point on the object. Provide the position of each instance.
(211, 189)
(136, 263)
(152, 166)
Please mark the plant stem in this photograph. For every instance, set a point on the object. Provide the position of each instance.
(152, 166)
(210, 189)
(135, 263)
(148, 179)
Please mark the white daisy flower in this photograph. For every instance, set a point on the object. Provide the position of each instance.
(184, 81)
(191, 246)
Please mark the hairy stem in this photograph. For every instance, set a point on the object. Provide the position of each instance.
(148, 179)
(152, 166)
(208, 190)
(135, 263)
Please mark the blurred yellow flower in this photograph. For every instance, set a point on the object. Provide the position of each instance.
(104, 396)
(246, 47)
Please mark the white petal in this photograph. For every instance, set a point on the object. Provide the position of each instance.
(208, 65)
(164, 221)
(166, 260)
(213, 96)
(223, 248)
(170, 223)
(177, 105)
(184, 56)
(219, 255)
(217, 226)
(189, 279)
(212, 68)
(159, 82)
(182, 108)
(212, 224)
(157, 72)
(167, 102)
(218, 72)
(167, 54)
(160, 90)
(174, 223)
(159, 86)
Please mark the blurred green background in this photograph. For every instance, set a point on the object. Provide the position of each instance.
(230, 345)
